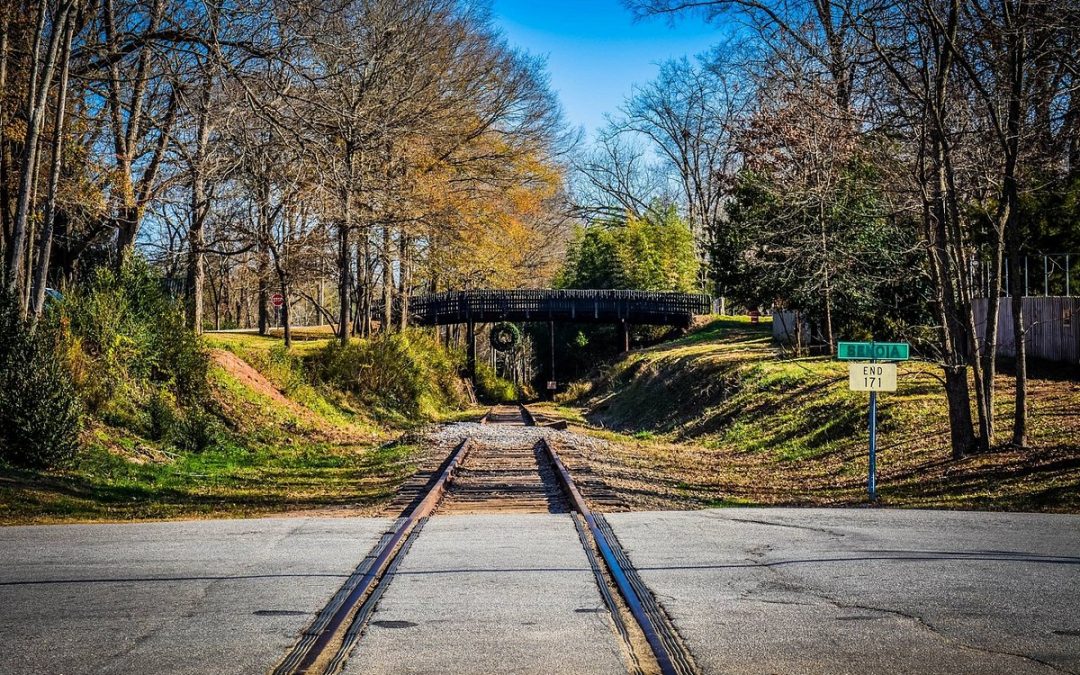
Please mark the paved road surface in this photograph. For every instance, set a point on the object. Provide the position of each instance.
(476, 596)
(221, 596)
(751, 590)
(856, 591)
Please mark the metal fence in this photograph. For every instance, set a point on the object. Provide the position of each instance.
(1049, 274)
(1051, 322)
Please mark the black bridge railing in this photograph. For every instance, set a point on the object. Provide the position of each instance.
(599, 306)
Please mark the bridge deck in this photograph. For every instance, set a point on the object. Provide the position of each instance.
(585, 306)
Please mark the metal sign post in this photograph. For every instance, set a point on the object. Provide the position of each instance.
(872, 376)
(871, 479)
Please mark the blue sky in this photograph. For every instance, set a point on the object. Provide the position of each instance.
(595, 50)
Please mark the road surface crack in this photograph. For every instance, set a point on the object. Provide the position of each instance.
(919, 621)
(939, 633)
(822, 530)
(780, 582)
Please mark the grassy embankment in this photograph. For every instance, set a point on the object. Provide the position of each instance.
(718, 418)
(279, 443)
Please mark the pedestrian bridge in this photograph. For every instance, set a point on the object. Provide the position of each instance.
(577, 306)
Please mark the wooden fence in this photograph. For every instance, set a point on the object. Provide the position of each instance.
(603, 306)
(1053, 333)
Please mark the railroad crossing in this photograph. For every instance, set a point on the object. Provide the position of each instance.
(502, 569)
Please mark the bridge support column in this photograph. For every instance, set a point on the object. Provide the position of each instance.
(470, 349)
(551, 373)
(625, 330)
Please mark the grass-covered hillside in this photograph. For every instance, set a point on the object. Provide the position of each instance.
(719, 417)
(158, 423)
(270, 439)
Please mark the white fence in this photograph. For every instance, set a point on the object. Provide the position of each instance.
(784, 328)
(1053, 333)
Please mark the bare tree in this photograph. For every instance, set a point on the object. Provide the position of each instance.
(823, 31)
(690, 114)
(47, 44)
(617, 176)
(44, 254)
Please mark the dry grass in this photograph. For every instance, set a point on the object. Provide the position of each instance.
(717, 418)
(285, 446)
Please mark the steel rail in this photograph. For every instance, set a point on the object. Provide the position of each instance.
(527, 416)
(379, 565)
(352, 634)
(618, 575)
(360, 602)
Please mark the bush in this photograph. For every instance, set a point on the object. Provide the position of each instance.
(406, 374)
(492, 388)
(40, 413)
(161, 416)
(196, 430)
(127, 339)
(285, 370)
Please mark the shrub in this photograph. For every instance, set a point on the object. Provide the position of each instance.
(127, 338)
(285, 370)
(161, 415)
(196, 430)
(40, 413)
(405, 374)
(492, 388)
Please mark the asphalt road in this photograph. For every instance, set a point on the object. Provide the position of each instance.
(476, 596)
(857, 591)
(750, 590)
(220, 596)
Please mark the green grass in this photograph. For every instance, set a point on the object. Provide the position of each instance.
(227, 481)
(720, 417)
(283, 444)
(246, 344)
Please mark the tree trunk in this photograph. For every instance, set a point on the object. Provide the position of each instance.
(31, 236)
(961, 429)
(196, 274)
(952, 334)
(368, 279)
(358, 290)
(829, 340)
(41, 73)
(196, 271)
(344, 275)
(388, 282)
(263, 300)
(41, 272)
(5, 214)
(127, 228)
(404, 278)
(344, 248)
(990, 329)
(286, 323)
(959, 312)
(1019, 438)
(1017, 59)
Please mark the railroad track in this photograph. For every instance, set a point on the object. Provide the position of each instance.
(475, 477)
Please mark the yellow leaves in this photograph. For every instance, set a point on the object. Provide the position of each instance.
(489, 210)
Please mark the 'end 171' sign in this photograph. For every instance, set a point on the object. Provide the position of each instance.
(872, 376)
(872, 351)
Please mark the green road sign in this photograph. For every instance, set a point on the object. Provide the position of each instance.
(873, 351)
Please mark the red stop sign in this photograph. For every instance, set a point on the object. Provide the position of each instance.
(277, 299)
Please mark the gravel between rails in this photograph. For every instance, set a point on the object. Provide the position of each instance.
(513, 436)
(580, 453)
